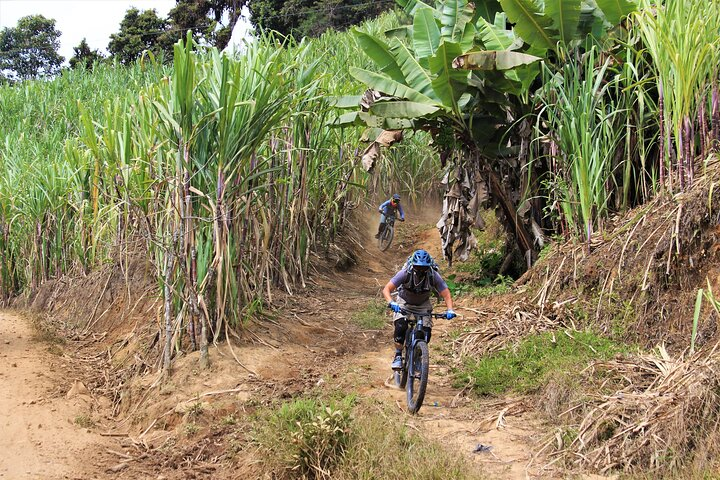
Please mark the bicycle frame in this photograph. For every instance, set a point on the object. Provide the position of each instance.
(413, 375)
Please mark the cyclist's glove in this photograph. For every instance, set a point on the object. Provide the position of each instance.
(394, 306)
(450, 314)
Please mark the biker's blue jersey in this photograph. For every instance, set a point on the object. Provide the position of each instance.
(387, 209)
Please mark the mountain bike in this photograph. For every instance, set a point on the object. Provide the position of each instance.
(386, 236)
(413, 376)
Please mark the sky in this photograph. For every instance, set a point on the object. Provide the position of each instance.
(78, 19)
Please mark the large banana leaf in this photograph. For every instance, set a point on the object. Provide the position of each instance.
(486, 9)
(530, 23)
(379, 52)
(565, 15)
(416, 77)
(387, 85)
(493, 60)
(448, 83)
(410, 6)
(406, 31)
(426, 33)
(402, 109)
(454, 16)
(615, 10)
(346, 101)
(495, 36)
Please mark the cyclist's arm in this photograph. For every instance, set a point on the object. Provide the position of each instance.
(445, 294)
(402, 213)
(383, 205)
(389, 288)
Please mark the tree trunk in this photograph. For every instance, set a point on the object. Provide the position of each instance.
(513, 223)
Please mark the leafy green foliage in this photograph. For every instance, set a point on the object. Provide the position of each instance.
(139, 31)
(204, 18)
(353, 441)
(30, 50)
(308, 436)
(311, 18)
(84, 57)
(526, 366)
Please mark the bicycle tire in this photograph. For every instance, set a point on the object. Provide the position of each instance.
(400, 376)
(418, 376)
(386, 238)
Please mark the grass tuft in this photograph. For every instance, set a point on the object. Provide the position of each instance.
(372, 316)
(536, 360)
(345, 439)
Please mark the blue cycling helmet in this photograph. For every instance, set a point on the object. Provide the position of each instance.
(421, 258)
(396, 197)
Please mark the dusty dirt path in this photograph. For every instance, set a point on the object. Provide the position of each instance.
(39, 438)
(506, 425)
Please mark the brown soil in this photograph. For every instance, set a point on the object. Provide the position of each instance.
(45, 427)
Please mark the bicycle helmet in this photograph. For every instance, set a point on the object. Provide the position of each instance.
(396, 197)
(421, 258)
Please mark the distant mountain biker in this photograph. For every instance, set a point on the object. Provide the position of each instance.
(415, 284)
(389, 208)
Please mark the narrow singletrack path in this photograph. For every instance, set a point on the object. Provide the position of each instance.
(39, 437)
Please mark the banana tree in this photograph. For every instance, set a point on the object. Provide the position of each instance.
(440, 79)
(462, 74)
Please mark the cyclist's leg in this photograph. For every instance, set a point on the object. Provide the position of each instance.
(401, 326)
(381, 226)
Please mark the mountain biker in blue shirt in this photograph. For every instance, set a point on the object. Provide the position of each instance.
(389, 208)
(415, 284)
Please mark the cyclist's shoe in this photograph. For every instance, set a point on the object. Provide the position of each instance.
(377, 235)
(397, 363)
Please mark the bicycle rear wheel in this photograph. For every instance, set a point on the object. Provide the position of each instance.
(386, 238)
(418, 376)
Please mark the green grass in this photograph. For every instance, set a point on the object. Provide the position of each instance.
(372, 316)
(528, 366)
(350, 440)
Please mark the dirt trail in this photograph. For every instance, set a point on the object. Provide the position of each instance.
(38, 439)
(446, 414)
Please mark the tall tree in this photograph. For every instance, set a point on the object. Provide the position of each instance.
(302, 18)
(139, 31)
(210, 20)
(30, 50)
(84, 56)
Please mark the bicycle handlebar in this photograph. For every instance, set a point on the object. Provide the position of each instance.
(434, 315)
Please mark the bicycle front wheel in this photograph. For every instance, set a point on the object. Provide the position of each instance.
(418, 376)
(386, 238)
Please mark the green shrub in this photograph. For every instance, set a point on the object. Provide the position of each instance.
(306, 438)
(528, 365)
(342, 440)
